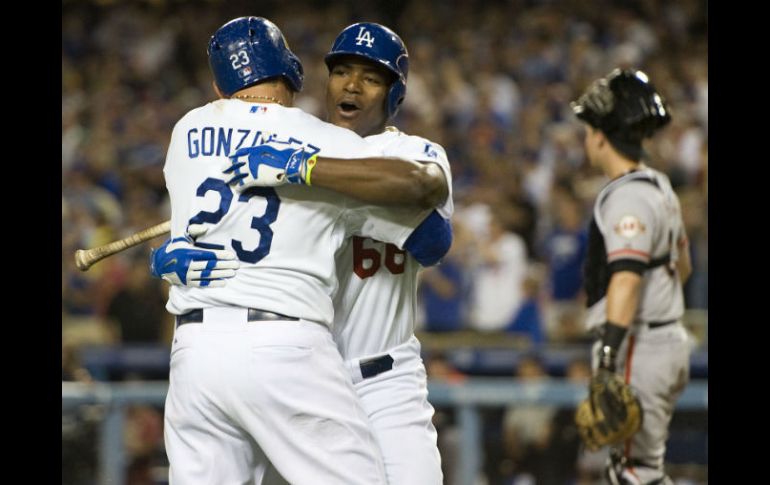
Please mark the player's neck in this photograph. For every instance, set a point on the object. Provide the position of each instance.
(266, 93)
(379, 129)
(255, 98)
(618, 166)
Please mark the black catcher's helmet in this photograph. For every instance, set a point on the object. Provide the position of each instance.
(624, 105)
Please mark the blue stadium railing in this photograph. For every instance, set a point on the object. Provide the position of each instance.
(466, 397)
(103, 362)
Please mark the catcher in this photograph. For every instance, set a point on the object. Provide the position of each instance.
(637, 261)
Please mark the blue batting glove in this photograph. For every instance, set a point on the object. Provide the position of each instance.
(267, 166)
(181, 263)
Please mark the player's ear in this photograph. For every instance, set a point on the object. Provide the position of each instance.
(601, 138)
(216, 90)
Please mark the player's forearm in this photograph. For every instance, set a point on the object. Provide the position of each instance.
(623, 297)
(683, 264)
(383, 181)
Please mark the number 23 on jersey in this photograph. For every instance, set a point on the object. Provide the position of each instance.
(259, 223)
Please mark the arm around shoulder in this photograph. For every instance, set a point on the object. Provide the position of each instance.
(383, 181)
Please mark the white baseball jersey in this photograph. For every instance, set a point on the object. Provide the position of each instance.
(375, 303)
(374, 315)
(244, 395)
(285, 237)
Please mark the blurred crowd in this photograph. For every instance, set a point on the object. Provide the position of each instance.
(490, 81)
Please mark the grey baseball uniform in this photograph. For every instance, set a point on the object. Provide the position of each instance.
(636, 226)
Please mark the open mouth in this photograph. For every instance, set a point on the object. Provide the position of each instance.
(348, 108)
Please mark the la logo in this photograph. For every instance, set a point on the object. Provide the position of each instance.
(364, 36)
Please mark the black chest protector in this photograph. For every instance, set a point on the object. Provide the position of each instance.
(596, 270)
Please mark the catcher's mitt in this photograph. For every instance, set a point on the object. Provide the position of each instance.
(611, 414)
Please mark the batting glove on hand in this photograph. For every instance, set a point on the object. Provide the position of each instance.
(267, 166)
(181, 263)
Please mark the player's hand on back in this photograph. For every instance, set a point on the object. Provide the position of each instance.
(269, 166)
(181, 263)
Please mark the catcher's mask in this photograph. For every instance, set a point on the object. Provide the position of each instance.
(625, 106)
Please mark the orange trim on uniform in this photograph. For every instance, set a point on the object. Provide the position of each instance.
(629, 357)
(633, 252)
(629, 360)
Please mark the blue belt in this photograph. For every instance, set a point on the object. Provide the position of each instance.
(254, 315)
(375, 366)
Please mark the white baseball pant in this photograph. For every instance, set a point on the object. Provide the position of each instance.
(396, 402)
(246, 394)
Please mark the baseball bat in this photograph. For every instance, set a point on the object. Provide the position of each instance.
(84, 258)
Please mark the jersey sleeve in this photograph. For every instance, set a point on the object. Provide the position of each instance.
(422, 150)
(387, 224)
(431, 240)
(629, 221)
(349, 146)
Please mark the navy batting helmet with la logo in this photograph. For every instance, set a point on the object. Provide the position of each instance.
(380, 45)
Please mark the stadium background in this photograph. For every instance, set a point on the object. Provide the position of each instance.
(491, 82)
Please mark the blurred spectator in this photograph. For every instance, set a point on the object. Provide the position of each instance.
(695, 217)
(565, 441)
(71, 369)
(143, 440)
(79, 425)
(537, 437)
(139, 308)
(527, 429)
(565, 246)
(440, 369)
(444, 288)
(498, 275)
(565, 250)
(442, 293)
(494, 90)
(529, 320)
(80, 439)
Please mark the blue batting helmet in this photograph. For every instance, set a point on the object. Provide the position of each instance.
(380, 45)
(247, 50)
